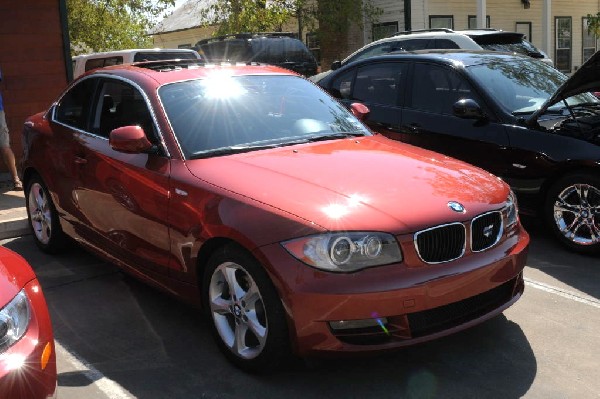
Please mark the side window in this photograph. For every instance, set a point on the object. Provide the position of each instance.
(437, 88)
(379, 83)
(101, 62)
(414, 44)
(445, 44)
(379, 49)
(342, 85)
(120, 104)
(74, 108)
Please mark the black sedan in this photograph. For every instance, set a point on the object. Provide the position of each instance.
(512, 115)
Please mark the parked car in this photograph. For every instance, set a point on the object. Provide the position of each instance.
(27, 356)
(275, 48)
(250, 191)
(86, 62)
(428, 39)
(519, 119)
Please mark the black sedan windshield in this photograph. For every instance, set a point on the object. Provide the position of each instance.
(226, 114)
(522, 86)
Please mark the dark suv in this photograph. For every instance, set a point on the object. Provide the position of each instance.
(280, 49)
(517, 117)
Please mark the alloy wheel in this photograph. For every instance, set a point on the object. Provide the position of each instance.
(238, 310)
(40, 213)
(577, 214)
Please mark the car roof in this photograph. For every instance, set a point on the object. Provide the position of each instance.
(169, 71)
(452, 57)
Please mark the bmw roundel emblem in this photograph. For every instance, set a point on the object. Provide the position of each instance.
(456, 207)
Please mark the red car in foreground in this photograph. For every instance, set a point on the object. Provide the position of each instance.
(251, 192)
(27, 357)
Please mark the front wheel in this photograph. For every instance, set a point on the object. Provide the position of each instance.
(43, 218)
(247, 316)
(572, 211)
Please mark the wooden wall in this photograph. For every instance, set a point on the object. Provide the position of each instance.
(32, 59)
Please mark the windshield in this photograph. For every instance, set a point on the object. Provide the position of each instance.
(523, 85)
(227, 114)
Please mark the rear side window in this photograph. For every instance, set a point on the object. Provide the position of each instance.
(163, 55)
(444, 43)
(226, 50)
(379, 83)
(102, 62)
(74, 107)
(414, 44)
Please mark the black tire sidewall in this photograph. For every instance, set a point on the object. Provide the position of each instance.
(276, 350)
(553, 192)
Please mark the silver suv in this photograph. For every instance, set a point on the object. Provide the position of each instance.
(430, 39)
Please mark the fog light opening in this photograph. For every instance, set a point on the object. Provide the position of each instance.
(341, 325)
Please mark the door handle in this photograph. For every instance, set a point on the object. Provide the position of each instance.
(80, 160)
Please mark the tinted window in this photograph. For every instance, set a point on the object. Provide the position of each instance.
(445, 44)
(341, 87)
(375, 50)
(74, 107)
(163, 55)
(436, 89)
(238, 113)
(414, 44)
(102, 62)
(227, 50)
(379, 83)
(120, 104)
(522, 85)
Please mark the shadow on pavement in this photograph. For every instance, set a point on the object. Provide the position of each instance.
(546, 254)
(157, 347)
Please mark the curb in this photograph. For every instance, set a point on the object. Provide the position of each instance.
(12, 228)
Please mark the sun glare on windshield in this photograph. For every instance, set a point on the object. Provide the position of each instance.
(223, 86)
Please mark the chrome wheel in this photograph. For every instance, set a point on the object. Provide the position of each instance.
(40, 213)
(238, 310)
(577, 214)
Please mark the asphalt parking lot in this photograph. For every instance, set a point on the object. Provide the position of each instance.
(118, 338)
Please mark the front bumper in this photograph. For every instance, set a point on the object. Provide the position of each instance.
(410, 302)
(22, 375)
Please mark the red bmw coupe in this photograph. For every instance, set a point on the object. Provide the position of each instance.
(27, 357)
(251, 192)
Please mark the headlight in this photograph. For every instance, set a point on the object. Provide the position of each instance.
(511, 210)
(14, 319)
(345, 252)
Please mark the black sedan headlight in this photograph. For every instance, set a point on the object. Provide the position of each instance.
(345, 252)
(14, 319)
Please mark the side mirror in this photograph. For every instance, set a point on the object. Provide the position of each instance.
(336, 65)
(361, 111)
(129, 139)
(468, 109)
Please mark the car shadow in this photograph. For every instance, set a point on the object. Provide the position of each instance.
(546, 254)
(155, 346)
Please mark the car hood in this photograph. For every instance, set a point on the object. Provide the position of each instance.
(15, 272)
(585, 79)
(371, 183)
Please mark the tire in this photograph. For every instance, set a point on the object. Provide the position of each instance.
(249, 326)
(572, 211)
(43, 218)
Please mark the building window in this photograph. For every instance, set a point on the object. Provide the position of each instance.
(564, 43)
(473, 21)
(524, 28)
(313, 44)
(441, 21)
(187, 45)
(385, 29)
(588, 41)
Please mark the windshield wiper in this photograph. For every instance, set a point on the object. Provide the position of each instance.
(234, 149)
(333, 136)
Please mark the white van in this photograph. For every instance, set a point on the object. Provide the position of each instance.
(84, 63)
